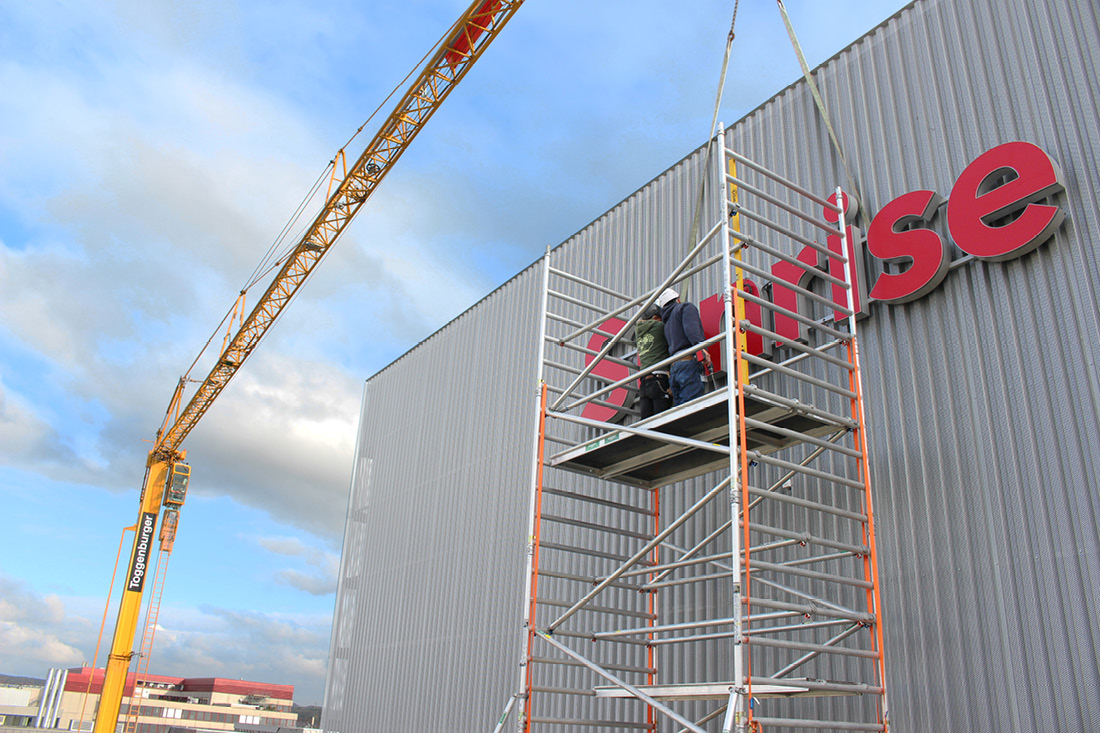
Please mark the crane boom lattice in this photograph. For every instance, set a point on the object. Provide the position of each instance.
(476, 29)
(348, 189)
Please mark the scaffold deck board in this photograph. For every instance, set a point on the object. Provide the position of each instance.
(714, 691)
(650, 462)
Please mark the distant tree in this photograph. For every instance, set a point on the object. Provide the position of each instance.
(7, 679)
(309, 716)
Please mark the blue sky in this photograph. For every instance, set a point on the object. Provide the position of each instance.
(149, 155)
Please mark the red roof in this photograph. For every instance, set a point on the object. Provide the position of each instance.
(88, 679)
(238, 687)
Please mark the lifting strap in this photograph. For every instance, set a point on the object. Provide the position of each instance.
(694, 234)
(817, 99)
(725, 66)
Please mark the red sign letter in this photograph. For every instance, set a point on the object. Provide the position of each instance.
(711, 312)
(855, 259)
(607, 369)
(786, 298)
(979, 198)
(923, 248)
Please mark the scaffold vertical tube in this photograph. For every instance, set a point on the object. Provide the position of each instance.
(870, 561)
(531, 569)
(735, 718)
(651, 650)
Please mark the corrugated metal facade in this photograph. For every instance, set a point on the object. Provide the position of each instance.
(983, 407)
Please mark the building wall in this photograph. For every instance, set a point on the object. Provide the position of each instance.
(19, 703)
(163, 702)
(983, 406)
(21, 696)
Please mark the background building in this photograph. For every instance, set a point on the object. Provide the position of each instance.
(982, 394)
(19, 697)
(69, 699)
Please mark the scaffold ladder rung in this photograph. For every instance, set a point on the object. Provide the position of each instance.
(615, 611)
(596, 500)
(581, 524)
(575, 722)
(807, 504)
(564, 633)
(825, 724)
(588, 580)
(819, 648)
(563, 691)
(807, 538)
(758, 566)
(798, 406)
(575, 663)
(589, 552)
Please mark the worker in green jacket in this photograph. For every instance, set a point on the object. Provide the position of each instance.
(649, 334)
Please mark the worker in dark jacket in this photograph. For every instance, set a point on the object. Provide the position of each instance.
(649, 334)
(683, 329)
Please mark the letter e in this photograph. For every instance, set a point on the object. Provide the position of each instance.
(979, 198)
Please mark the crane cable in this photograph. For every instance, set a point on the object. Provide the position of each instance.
(263, 268)
(267, 264)
(817, 99)
(694, 233)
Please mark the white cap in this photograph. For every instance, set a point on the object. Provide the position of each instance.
(667, 297)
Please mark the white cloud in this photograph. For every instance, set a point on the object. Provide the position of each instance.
(291, 546)
(171, 192)
(35, 648)
(311, 583)
(35, 633)
(40, 631)
(177, 176)
(25, 438)
(267, 647)
(321, 577)
(280, 439)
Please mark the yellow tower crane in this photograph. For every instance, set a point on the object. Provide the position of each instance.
(166, 474)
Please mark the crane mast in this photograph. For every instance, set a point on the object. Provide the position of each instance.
(349, 187)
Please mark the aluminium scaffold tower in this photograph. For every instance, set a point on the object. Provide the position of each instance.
(717, 569)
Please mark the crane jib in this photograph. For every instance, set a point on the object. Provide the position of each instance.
(461, 44)
(477, 27)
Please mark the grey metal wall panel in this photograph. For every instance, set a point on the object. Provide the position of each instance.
(424, 632)
(983, 399)
(982, 396)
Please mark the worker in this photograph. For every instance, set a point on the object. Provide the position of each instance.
(649, 334)
(683, 330)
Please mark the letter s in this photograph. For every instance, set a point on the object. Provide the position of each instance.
(925, 249)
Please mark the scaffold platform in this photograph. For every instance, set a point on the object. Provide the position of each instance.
(637, 458)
